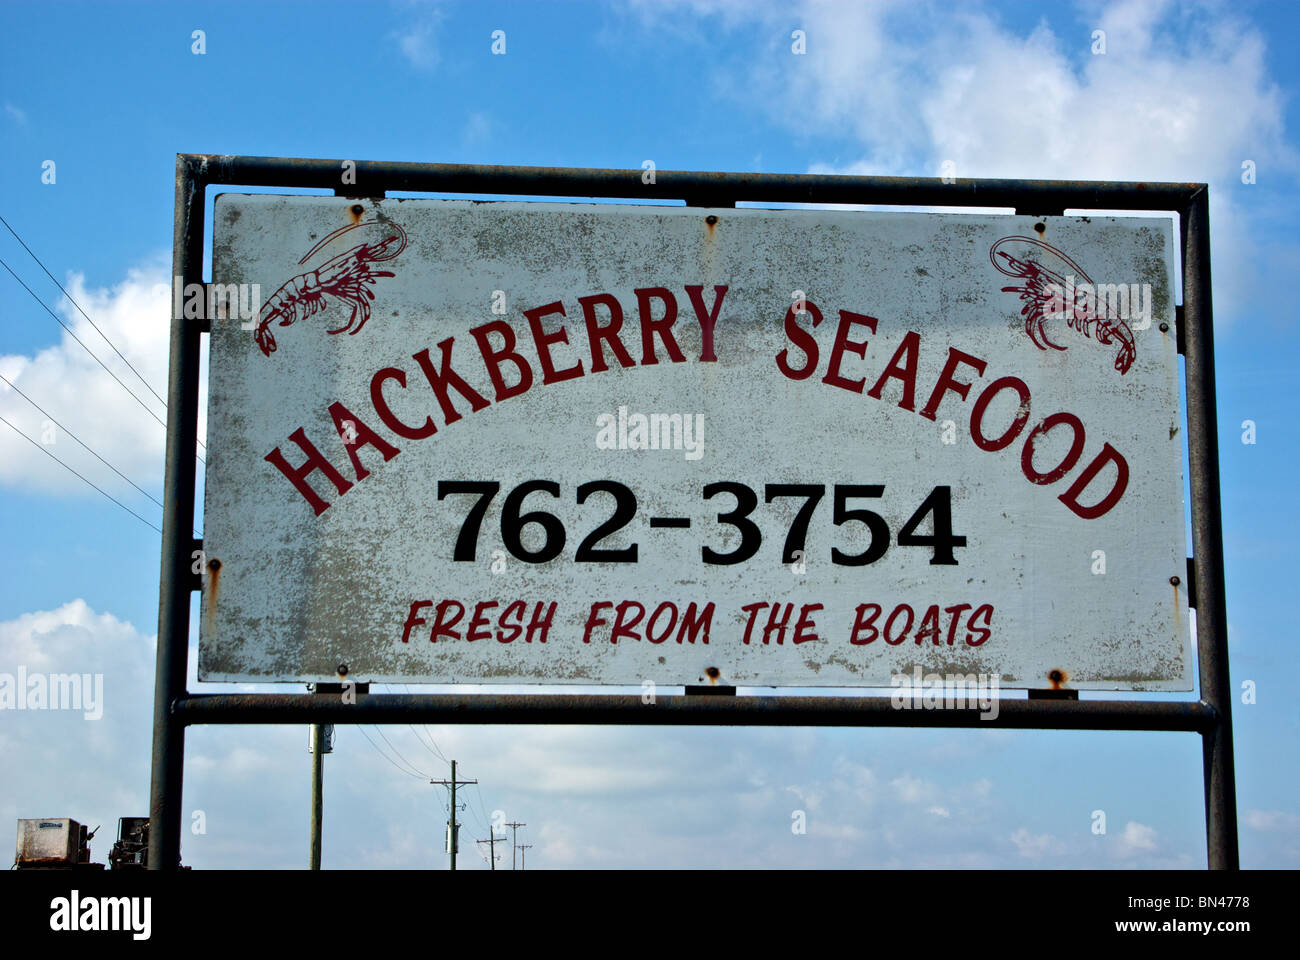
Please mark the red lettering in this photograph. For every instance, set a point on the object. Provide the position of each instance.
(947, 383)
(956, 611)
(544, 341)
(777, 626)
(446, 377)
(539, 622)
(905, 372)
(516, 609)
(1071, 458)
(608, 334)
(986, 611)
(805, 620)
(860, 624)
(412, 620)
(889, 624)
(594, 619)
(707, 318)
(650, 626)
(494, 358)
(444, 627)
(1071, 497)
(298, 476)
(802, 339)
(693, 623)
(356, 435)
(622, 629)
(471, 634)
(386, 413)
(842, 343)
(982, 404)
(929, 625)
(663, 327)
(752, 609)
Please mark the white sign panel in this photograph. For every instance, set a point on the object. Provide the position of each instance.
(584, 443)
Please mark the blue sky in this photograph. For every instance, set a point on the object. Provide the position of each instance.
(110, 92)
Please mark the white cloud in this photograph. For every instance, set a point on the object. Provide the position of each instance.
(913, 790)
(67, 763)
(1136, 837)
(1181, 94)
(76, 391)
(1273, 821)
(18, 115)
(1035, 846)
(418, 42)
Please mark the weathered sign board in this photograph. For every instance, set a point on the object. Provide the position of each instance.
(585, 443)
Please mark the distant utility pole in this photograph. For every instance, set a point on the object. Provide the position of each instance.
(452, 823)
(492, 842)
(523, 857)
(514, 838)
(320, 743)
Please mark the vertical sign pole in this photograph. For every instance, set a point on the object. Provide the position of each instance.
(168, 772)
(1207, 536)
(317, 778)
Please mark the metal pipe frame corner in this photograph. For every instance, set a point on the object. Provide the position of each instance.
(175, 707)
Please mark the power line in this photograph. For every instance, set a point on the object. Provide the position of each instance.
(15, 389)
(362, 731)
(82, 312)
(77, 475)
(437, 752)
(481, 804)
(60, 322)
(434, 751)
(396, 751)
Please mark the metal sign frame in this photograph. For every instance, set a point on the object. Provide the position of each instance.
(175, 707)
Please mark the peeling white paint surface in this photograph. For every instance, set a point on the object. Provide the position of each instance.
(296, 595)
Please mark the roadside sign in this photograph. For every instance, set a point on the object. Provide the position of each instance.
(552, 443)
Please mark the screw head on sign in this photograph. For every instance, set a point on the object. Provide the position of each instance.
(1164, 327)
(343, 669)
(214, 564)
(1175, 581)
(710, 219)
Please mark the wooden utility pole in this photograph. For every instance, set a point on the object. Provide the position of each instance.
(492, 842)
(523, 857)
(321, 735)
(451, 824)
(514, 841)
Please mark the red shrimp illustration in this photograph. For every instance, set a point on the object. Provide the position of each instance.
(1047, 295)
(344, 277)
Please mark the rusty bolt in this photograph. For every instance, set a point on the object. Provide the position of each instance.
(1164, 328)
(343, 669)
(710, 219)
(358, 209)
(1175, 581)
(1040, 227)
(214, 564)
